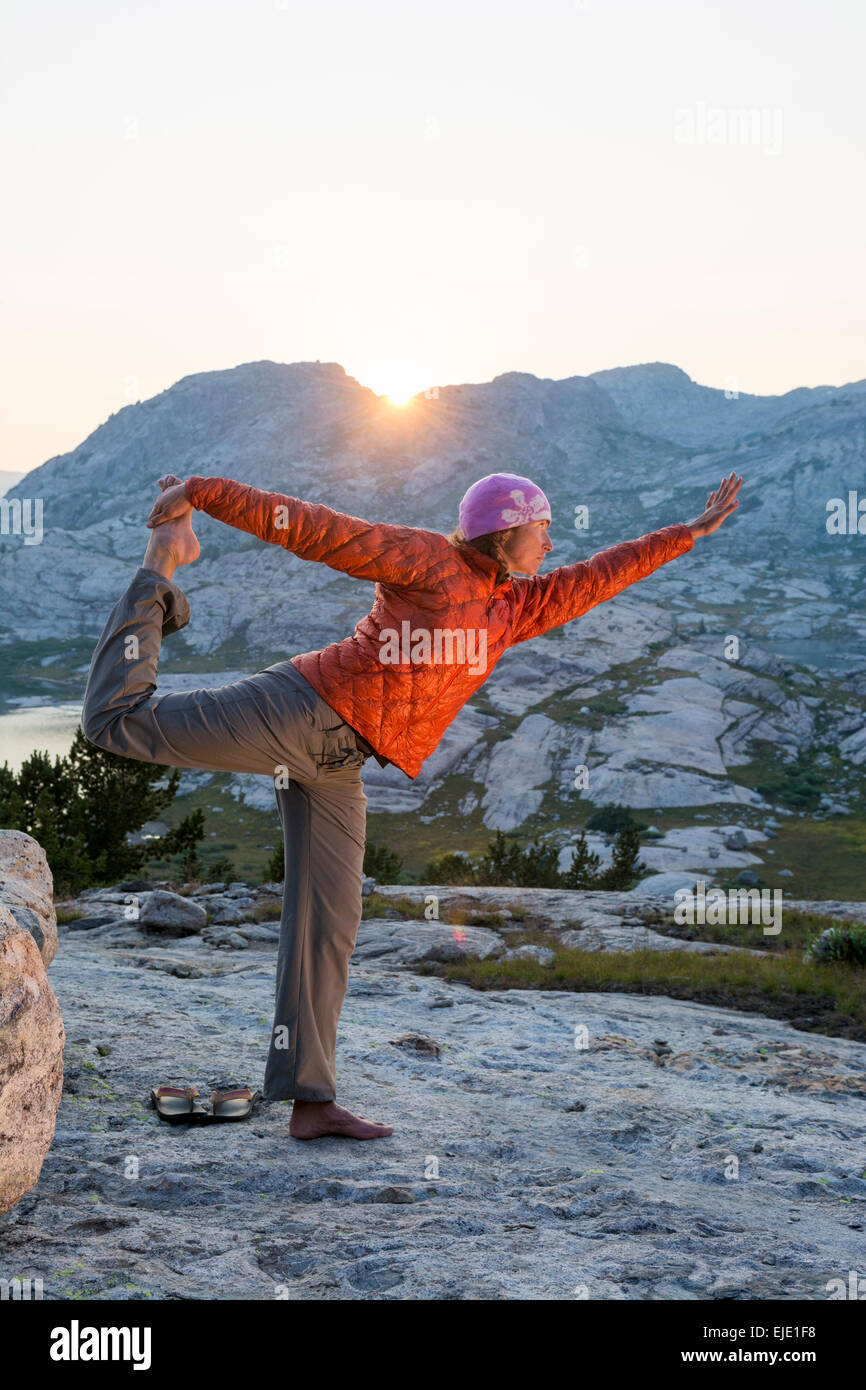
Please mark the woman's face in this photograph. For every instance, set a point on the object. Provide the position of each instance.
(527, 546)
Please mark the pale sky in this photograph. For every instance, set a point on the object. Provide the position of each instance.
(425, 193)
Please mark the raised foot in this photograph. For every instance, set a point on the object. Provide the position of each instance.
(172, 543)
(314, 1119)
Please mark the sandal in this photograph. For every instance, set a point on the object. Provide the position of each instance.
(233, 1105)
(178, 1105)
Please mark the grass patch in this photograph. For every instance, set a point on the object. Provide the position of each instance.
(265, 912)
(375, 905)
(798, 929)
(829, 999)
(826, 857)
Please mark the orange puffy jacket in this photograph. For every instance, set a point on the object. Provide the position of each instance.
(439, 621)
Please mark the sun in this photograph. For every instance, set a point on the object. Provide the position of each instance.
(399, 387)
(395, 383)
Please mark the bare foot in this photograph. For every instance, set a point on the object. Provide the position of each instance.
(171, 544)
(312, 1119)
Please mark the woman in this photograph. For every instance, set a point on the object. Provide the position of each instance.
(445, 610)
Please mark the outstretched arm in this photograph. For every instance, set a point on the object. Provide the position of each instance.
(570, 591)
(377, 551)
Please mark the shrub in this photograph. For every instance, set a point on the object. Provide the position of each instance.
(797, 784)
(611, 818)
(844, 943)
(456, 868)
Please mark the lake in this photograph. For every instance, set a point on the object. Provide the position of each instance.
(829, 657)
(50, 728)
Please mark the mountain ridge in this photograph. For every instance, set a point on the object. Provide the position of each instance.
(597, 691)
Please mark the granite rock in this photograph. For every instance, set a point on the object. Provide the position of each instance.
(31, 1027)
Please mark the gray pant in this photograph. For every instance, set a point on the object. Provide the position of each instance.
(274, 723)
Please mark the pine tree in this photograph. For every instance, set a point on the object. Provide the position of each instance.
(584, 866)
(185, 837)
(501, 865)
(221, 870)
(381, 863)
(539, 867)
(82, 807)
(624, 867)
(276, 867)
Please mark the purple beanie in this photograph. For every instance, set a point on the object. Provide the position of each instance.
(501, 500)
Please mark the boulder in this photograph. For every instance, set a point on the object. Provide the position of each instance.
(736, 840)
(161, 911)
(396, 944)
(89, 923)
(31, 1027)
(224, 938)
(223, 912)
(27, 889)
(269, 932)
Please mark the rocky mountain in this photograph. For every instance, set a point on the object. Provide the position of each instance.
(649, 691)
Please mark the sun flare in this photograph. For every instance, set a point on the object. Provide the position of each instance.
(397, 385)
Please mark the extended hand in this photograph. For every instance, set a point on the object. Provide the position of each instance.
(719, 505)
(171, 504)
